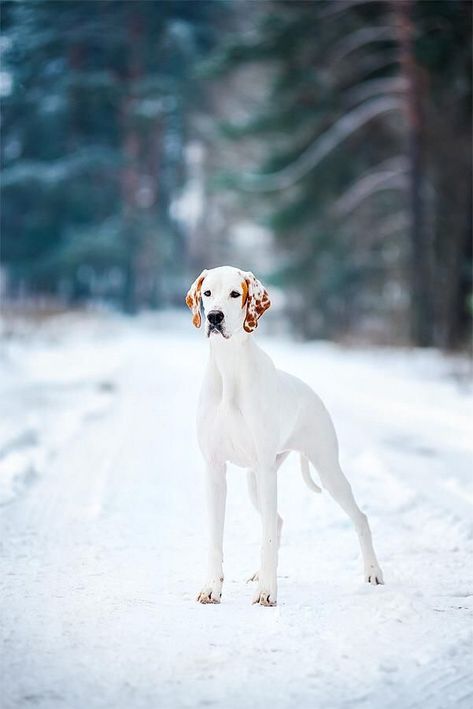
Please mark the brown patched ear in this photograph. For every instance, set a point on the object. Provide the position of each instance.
(257, 301)
(194, 297)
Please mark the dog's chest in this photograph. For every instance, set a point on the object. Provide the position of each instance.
(227, 435)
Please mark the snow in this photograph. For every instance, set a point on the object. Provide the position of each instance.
(103, 530)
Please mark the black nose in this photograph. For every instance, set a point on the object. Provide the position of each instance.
(215, 317)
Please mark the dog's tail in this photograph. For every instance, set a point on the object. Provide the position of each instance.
(305, 470)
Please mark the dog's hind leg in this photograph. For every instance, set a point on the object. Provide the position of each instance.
(323, 455)
(335, 482)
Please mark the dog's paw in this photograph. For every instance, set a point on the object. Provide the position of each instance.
(264, 597)
(267, 592)
(254, 577)
(374, 575)
(211, 592)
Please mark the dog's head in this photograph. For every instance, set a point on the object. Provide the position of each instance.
(233, 301)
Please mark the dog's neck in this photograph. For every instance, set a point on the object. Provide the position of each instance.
(226, 352)
(227, 356)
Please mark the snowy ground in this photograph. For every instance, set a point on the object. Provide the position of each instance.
(103, 531)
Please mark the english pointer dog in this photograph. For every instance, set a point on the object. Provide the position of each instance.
(253, 415)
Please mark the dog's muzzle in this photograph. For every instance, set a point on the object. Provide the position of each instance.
(215, 322)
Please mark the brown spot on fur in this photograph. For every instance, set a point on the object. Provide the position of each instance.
(193, 298)
(262, 305)
(244, 293)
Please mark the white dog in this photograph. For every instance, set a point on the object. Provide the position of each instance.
(253, 415)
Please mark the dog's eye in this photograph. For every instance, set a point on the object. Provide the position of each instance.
(234, 294)
(207, 293)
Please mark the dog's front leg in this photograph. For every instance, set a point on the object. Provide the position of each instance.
(216, 496)
(266, 594)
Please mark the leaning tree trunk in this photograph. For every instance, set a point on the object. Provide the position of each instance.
(421, 324)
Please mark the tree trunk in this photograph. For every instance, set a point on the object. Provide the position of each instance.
(129, 178)
(421, 324)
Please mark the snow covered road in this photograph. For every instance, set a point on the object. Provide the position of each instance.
(103, 532)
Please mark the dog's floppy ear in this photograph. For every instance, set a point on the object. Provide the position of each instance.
(194, 297)
(255, 297)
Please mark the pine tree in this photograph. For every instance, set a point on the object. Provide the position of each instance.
(94, 124)
(349, 179)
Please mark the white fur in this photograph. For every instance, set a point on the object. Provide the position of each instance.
(252, 415)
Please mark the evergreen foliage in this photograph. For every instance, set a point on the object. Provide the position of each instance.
(376, 214)
(94, 117)
(361, 169)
